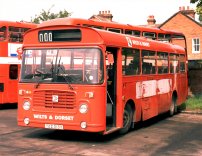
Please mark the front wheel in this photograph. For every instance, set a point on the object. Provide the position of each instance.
(127, 119)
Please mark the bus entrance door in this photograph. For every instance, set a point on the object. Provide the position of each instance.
(111, 89)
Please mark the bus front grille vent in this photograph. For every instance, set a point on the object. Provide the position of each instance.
(54, 99)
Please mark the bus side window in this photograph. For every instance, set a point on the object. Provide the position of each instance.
(162, 62)
(2, 33)
(148, 62)
(13, 72)
(182, 63)
(130, 61)
(133, 32)
(16, 34)
(174, 63)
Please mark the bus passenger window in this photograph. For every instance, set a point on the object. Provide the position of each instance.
(164, 37)
(174, 65)
(133, 32)
(16, 34)
(1, 87)
(182, 63)
(93, 26)
(13, 72)
(2, 33)
(148, 62)
(150, 35)
(162, 62)
(130, 61)
(114, 30)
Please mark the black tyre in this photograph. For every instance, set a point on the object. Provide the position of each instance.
(127, 119)
(173, 107)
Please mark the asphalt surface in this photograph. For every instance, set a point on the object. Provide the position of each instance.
(177, 135)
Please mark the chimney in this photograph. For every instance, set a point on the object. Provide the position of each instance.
(151, 20)
(187, 11)
(106, 14)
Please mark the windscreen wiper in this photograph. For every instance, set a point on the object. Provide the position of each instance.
(38, 71)
(42, 74)
(67, 79)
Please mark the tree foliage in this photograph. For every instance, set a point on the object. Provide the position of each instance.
(198, 8)
(48, 15)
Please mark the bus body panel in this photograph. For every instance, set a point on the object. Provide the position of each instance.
(45, 111)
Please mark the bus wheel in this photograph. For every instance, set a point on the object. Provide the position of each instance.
(127, 119)
(172, 109)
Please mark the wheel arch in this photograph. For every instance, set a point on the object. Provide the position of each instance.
(174, 95)
(132, 104)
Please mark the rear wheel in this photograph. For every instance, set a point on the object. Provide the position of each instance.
(127, 119)
(173, 107)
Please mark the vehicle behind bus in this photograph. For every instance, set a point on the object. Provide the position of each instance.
(11, 38)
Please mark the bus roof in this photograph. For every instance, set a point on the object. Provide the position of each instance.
(105, 24)
(92, 37)
(18, 24)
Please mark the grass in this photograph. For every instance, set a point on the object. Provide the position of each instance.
(194, 103)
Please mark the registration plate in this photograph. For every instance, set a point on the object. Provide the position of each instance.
(53, 126)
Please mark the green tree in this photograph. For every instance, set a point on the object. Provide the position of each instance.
(48, 15)
(198, 8)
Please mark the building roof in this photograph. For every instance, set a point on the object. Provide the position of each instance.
(184, 14)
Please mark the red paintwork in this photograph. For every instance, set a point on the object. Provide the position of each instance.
(145, 108)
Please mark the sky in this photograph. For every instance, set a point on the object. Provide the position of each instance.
(124, 11)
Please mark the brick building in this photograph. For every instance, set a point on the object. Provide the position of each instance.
(184, 21)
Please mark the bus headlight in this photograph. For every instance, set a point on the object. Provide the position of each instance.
(26, 105)
(83, 125)
(83, 108)
(26, 121)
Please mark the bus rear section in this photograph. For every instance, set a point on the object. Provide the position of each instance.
(11, 38)
(83, 79)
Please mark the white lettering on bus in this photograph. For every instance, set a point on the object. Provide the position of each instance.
(56, 117)
(135, 42)
(63, 117)
(40, 116)
(46, 37)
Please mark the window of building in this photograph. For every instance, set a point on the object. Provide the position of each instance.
(130, 61)
(148, 62)
(13, 72)
(195, 45)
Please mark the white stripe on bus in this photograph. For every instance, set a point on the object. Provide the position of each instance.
(10, 60)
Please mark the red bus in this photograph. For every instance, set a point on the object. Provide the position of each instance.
(85, 79)
(139, 31)
(11, 37)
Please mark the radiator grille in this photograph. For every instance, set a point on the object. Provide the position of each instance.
(66, 99)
